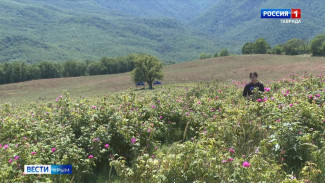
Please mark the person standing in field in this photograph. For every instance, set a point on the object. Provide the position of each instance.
(248, 90)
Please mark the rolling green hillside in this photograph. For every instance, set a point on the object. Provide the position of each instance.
(182, 10)
(241, 20)
(39, 30)
(82, 30)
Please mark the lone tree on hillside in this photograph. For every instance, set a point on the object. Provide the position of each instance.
(147, 68)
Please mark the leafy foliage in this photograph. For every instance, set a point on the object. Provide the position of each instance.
(291, 47)
(317, 45)
(204, 56)
(277, 49)
(260, 46)
(248, 48)
(295, 47)
(207, 133)
(224, 53)
(147, 68)
(13, 72)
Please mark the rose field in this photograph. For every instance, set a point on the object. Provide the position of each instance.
(205, 133)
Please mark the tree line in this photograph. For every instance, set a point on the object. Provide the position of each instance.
(316, 47)
(222, 53)
(12, 72)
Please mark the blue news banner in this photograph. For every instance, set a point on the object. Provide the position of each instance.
(275, 13)
(47, 169)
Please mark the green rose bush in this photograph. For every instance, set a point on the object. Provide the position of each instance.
(208, 133)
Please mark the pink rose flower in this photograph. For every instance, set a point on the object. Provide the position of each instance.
(91, 156)
(246, 164)
(133, 140)
(106, 145)
(33, 153)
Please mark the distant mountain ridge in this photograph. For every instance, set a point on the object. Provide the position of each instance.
(171, 30)
(91, 29)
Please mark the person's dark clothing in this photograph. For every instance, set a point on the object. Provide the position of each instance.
(250, 87)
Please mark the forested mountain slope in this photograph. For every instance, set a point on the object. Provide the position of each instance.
(39, 30)
(240, 20)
